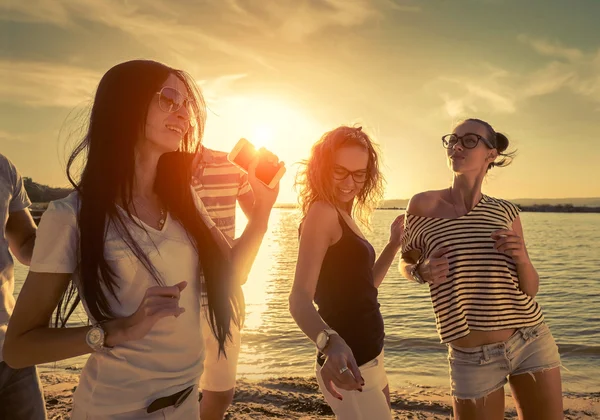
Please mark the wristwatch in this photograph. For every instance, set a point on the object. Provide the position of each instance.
(95, 339)
(323, 339)
(414, 272)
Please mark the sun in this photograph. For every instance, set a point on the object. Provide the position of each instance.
(272, 122)
(275, 123)
(263, 135)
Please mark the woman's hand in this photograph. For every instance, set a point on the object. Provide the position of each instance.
(510, 243)
(159, 302)
(264, 197)
(340, 368)
(434, 270)
(397, 230)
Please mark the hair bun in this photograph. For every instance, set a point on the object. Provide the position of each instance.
(501, 142)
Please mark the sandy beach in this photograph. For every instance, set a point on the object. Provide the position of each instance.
(299, 398)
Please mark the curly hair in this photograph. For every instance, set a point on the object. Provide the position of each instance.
(314, 181)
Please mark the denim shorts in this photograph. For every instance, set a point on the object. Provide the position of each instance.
(21, 395)
(478, 371)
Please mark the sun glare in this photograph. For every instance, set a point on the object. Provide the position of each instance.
(262, 136)
(270, 122)
(266, 121)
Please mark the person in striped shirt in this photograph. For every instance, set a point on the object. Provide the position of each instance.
(220, 185)
(469, 249)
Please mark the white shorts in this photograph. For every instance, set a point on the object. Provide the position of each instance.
(189, 409)
(219, 371)
(366, 405)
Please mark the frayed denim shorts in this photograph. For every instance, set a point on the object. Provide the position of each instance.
(478, 371)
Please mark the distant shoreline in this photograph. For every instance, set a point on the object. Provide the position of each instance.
(535, 209)
(37, 209)
(543, 208)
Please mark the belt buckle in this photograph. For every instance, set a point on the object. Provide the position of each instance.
(183, 397)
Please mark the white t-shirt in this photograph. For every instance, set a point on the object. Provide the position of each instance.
(170, 357)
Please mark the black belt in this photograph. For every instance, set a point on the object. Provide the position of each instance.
(171, 400)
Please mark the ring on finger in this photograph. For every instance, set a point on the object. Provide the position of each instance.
(343, 370)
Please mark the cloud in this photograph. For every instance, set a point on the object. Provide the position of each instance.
(503, 91)
(38, 84)
(12, 138)
(182, 28)
(314, 17)
(49, 11)
(42, 84)
(551, 49)
(155, 23)
(6, 136)
(571, 69)
(547, 80)
(486, 89)
(214, 89)
(295, 20)
(454, 107)
(400, 6)
(501, 103)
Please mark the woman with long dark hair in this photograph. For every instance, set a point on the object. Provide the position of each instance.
(135, 245)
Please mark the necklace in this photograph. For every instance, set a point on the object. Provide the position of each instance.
(162, 212)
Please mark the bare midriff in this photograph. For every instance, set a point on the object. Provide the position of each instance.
(480, 338)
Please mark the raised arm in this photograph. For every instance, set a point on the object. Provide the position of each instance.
(244, 250)
(387, 256)
(409, 259)
(246, 197)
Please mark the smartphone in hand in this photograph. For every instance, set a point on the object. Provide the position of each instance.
(269, 173)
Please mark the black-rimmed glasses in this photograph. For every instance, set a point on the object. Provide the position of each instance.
(340, 173)
(468, 141)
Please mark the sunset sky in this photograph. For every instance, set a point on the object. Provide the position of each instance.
(281, 72)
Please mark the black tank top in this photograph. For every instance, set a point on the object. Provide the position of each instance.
(347, 297)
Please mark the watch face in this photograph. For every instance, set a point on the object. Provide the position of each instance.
(94, 336)
(321, 340)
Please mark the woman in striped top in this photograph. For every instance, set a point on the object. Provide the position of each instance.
(469, 248)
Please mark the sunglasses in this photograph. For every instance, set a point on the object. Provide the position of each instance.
(468, 141)
(340, 173)
(171, 100)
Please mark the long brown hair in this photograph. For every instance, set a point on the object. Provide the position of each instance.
(117, 117)
(315, 179)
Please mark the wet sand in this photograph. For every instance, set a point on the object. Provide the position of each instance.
(299, 398)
